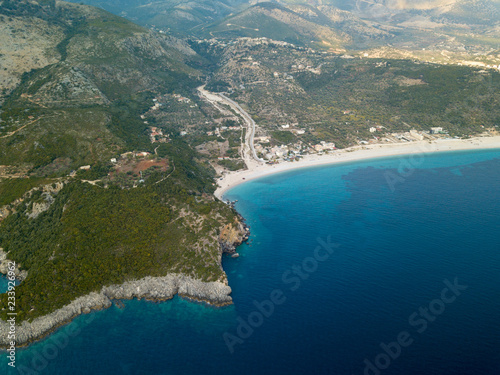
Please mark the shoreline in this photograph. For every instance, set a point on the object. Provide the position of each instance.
(149, 288)
(217, 293)
(352, 154)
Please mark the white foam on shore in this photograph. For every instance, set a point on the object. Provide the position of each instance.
(257, 170)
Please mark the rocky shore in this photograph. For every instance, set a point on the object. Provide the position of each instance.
(233, 235)
(162, 288)
(4, 265)
(152, 288)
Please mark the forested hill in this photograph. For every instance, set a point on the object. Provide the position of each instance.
(86, 199)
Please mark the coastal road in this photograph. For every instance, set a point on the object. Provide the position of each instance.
(248, 152)
(250, 135)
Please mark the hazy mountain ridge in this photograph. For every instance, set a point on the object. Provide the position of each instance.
(276, 22)
(177, 15)
(454, 25)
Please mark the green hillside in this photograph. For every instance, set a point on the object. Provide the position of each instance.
(276, 22)
(80, 103)
(177, 16)
(85, 107)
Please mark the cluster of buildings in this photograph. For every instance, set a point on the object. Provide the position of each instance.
(410, 136)
(295, 68)
(285, 75)
(374, 129)
(156, 135)
(324, 146)
(254, 42)
(156, 106)
(135, 154)
(218, 131)
(414, 135)
(437, 130)
(309, 68)
(276, 152)
(291, 151)
(126, 155)
(181, 99)
(295, 131)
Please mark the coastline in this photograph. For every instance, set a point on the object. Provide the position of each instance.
(355, 153)
(218, 293)
(150, 288)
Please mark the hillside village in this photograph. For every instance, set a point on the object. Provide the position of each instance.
(273, 144)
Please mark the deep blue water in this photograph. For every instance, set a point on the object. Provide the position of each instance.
(391, 238)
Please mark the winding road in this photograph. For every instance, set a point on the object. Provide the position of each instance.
(248, 152)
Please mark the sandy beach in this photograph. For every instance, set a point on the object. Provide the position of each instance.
(257, 170)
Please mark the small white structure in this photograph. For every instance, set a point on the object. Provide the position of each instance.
(415, 134)
(85, 167)
(113, 160)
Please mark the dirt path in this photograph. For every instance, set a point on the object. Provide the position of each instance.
(21, 128)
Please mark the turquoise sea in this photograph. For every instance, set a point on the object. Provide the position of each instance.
(387, 266)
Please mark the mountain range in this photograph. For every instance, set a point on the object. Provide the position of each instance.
(457, 25)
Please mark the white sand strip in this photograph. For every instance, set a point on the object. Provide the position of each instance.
(257, 170)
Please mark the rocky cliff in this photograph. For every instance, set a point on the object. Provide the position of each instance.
(232, 235)
(151, 288)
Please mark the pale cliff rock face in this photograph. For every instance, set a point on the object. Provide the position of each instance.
(165, 287)
(48, 193)
(53, 188)
(154, 288)
(232, 235)
(30, 331)
(4, 264)
(38, 207)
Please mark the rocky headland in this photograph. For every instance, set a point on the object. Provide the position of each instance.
(163, 288)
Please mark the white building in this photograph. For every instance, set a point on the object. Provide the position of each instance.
(415, 134)
(436, 130)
